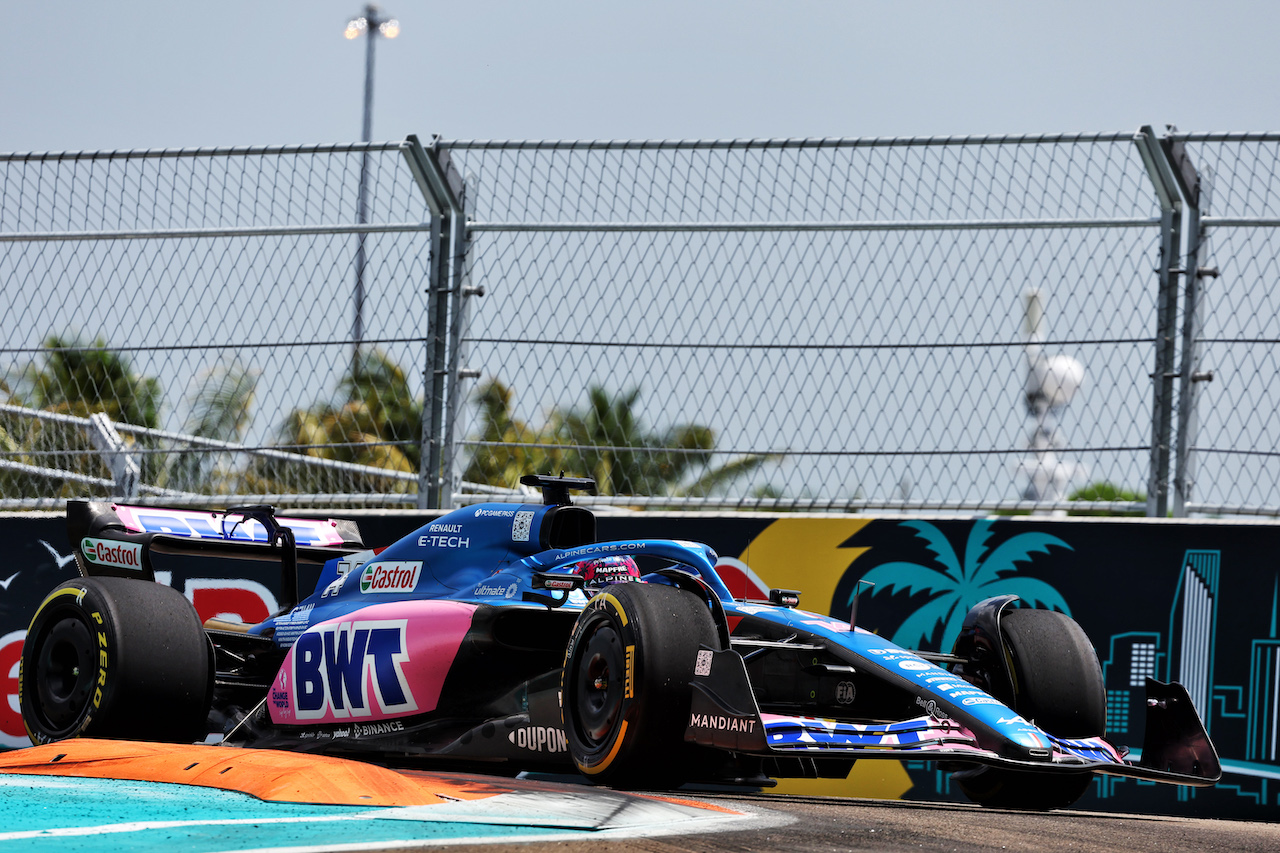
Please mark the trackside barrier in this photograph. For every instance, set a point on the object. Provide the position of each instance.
(1197, 602)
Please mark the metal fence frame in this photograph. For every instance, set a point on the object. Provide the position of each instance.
(1175, 185)
(450, 229)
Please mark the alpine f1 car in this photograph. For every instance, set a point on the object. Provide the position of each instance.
(505, 636)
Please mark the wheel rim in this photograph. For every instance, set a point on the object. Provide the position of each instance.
(66, 671)
(600, 677)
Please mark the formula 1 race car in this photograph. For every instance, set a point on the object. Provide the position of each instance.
(504, 636)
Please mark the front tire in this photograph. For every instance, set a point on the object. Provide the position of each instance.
(1058, 686)
(625, 690)
(115, 658)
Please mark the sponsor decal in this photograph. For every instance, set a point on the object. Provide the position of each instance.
(539, 739)
(1003, 720)
(586, 551)
(722, 723)
(931, 707)
(980, 700)
(204, 525)
(914, 665)
(335, 587)
(558, 583)
(703, 665)
(440, 541)
(508, 591)
(630, 690)
(445, 528)
(845, 691)
(352, 669)
(495, 513)
(375, 729)
(280, 699)
(945, 687)
(107, 552)
(301, 613)
(390, 577)
(521, 526)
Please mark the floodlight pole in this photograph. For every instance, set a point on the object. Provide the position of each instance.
(373, 25)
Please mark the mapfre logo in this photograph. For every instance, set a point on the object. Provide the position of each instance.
(108, 552)
(391, 577)
(352, 669)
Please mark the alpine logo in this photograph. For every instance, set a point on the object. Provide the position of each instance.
(352, 669)
(390, 577)
(105, 552)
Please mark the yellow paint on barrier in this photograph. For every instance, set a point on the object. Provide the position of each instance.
(809, 554)
(879, 779)
(805, 553)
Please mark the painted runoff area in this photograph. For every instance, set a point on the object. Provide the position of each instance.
(107, 796)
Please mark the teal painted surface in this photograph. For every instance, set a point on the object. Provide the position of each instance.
(69, 815)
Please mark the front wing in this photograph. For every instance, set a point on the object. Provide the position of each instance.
(724, 715)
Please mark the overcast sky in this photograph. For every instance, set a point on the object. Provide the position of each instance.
(146, 74)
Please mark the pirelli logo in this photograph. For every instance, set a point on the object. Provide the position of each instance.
(631, 672)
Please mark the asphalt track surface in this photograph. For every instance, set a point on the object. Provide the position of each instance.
(825, 825)
(103, 796)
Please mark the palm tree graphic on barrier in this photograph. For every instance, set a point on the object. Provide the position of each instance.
(956, 585)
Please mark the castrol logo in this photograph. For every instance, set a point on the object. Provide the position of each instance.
(108, 552)
(400, 576)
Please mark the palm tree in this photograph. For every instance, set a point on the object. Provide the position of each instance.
(80, 380)
(606, 441)
(958, 585)
(220, 410)
(376, 422)
(77, 380)
(510, 446)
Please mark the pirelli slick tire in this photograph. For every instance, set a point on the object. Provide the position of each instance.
(115, 658)
(625, 693)
(1057, 685)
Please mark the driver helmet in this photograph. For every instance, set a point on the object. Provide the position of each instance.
(606, 570)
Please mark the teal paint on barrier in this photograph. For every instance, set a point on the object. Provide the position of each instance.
(72, 815)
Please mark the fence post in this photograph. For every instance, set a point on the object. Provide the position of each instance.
(434, 391)
(441, 187)
(1165, 185)
(460, 320)
(1196, 194)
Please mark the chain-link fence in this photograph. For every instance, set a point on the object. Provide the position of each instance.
(1231, 440)
(964, 323)
(204, 301)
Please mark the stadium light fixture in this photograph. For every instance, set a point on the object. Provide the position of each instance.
(371, 24)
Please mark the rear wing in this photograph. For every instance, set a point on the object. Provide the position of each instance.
(117, 540)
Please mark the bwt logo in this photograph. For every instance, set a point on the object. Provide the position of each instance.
(335, 666)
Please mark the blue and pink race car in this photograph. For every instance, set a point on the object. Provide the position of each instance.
(504, 637)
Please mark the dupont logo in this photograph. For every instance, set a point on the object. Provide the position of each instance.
(108, 552)
(390, 577)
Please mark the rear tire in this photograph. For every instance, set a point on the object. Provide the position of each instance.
(115, 658)
(1058, 686)
(625, 690)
